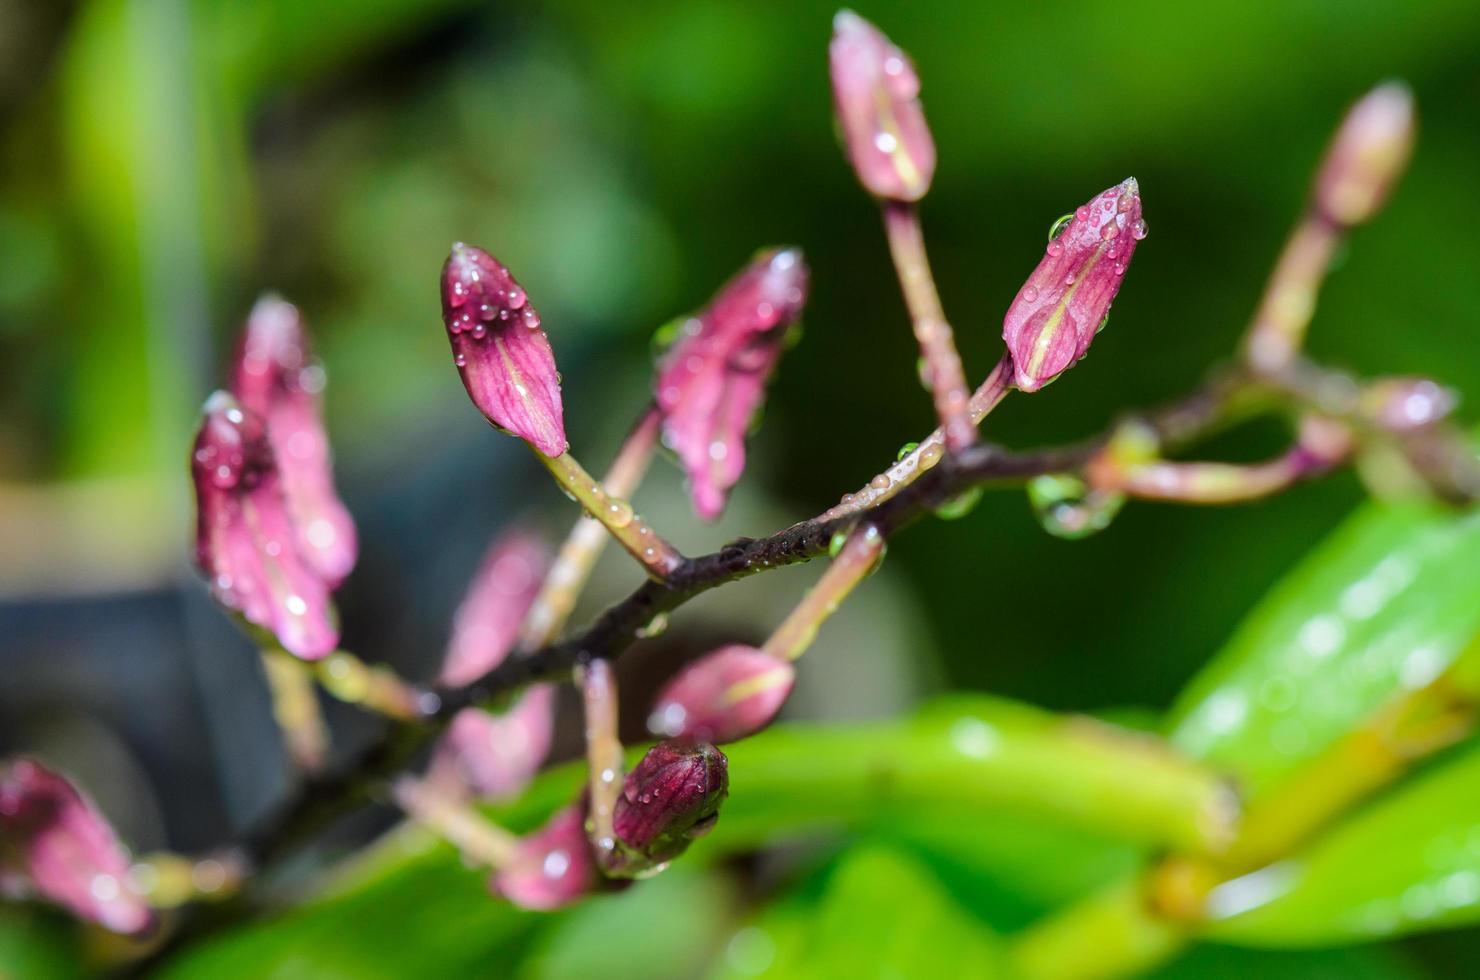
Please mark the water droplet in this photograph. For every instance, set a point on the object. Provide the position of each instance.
(1057, 228)
(1055, 248)
(516, 297)
(835, 545)
(880, 482)
(1138, 230)
(1030, 294)
(1067, 508)
(930, 455)
(460, 360)
(619, 513)
(479, 332)
(959, 506)
(1082, 212)
(905, 450)
(1110, 230)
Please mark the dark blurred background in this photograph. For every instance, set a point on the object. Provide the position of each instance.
(162, 162)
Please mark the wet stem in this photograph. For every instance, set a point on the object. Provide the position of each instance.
(631, 531)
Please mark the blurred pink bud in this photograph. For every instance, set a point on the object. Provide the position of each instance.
(496, 755)
(246, 544)
(723, 696)
(499, 349)
(671, 797)
(876, 94)
(276, 377)
(1367, 155)
(1065, 301)
(712, 379)
(554, 865)
(55, 843)
(487, 621)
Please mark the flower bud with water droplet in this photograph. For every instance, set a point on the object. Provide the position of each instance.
(57, 845)
(247, 544)
(669, 798)
(275, 376)
(553, 866)
(500, 350)
(711, 380)
(495, 754)
(1061, 307)
(1367, 155)
(723, 696)
(876, 95)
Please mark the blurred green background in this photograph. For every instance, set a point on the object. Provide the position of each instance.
(163, 161)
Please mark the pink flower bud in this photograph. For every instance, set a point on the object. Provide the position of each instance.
(487, 621)
(712, 379)
(671, 797)
(496, 755)
(877, 97)
(55, 843)
(1367, 155)
(276, 377)
(1065, 301)
(246, 544)
(553, 866)
(723, 696)
(499, 349)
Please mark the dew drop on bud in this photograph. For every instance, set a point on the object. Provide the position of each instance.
(905, 450)
(1057, 228)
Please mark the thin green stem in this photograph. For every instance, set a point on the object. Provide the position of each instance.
(860, 553)
(295, 707)
(633, 533)
(583, 546)
(932, 331)
(1279, 325)
(604, 756)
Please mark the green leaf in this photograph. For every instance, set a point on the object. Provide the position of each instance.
(1382, 606)
(37, 944)
(1232, 963)
(1408, 862)
(884, 916)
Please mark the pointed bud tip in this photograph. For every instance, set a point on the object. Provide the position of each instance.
(876, 98)
(500, 350)
(670, 798)
(1367, 155)
(1064, 303)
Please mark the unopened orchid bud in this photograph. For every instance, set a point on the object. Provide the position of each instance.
(276, 377)
(494, 755)
(1367, 155)
(1064, 303)
(726, 695)
(670, 798)
(710, 382)
(553, 866)
(487, 620)
(500, 350)
(246, 542)
(57, 845)
(877, 97)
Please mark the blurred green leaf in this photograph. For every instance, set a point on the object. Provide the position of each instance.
(1231, 963)
(36, 944)
(1408, 862)
(1384, 605)
(884, 916)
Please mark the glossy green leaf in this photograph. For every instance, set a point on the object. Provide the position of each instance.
(884, 915)
(1408, 862)
(1382, 606)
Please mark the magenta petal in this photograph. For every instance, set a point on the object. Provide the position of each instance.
(496, 755)
(499, 349)
(1061, 307)
(723, 696)
(276, 378)
(672, 796)
(59, 845)
(876, 94)
(487, 621)
(246, 543)
(553, 867)
(711, 381)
